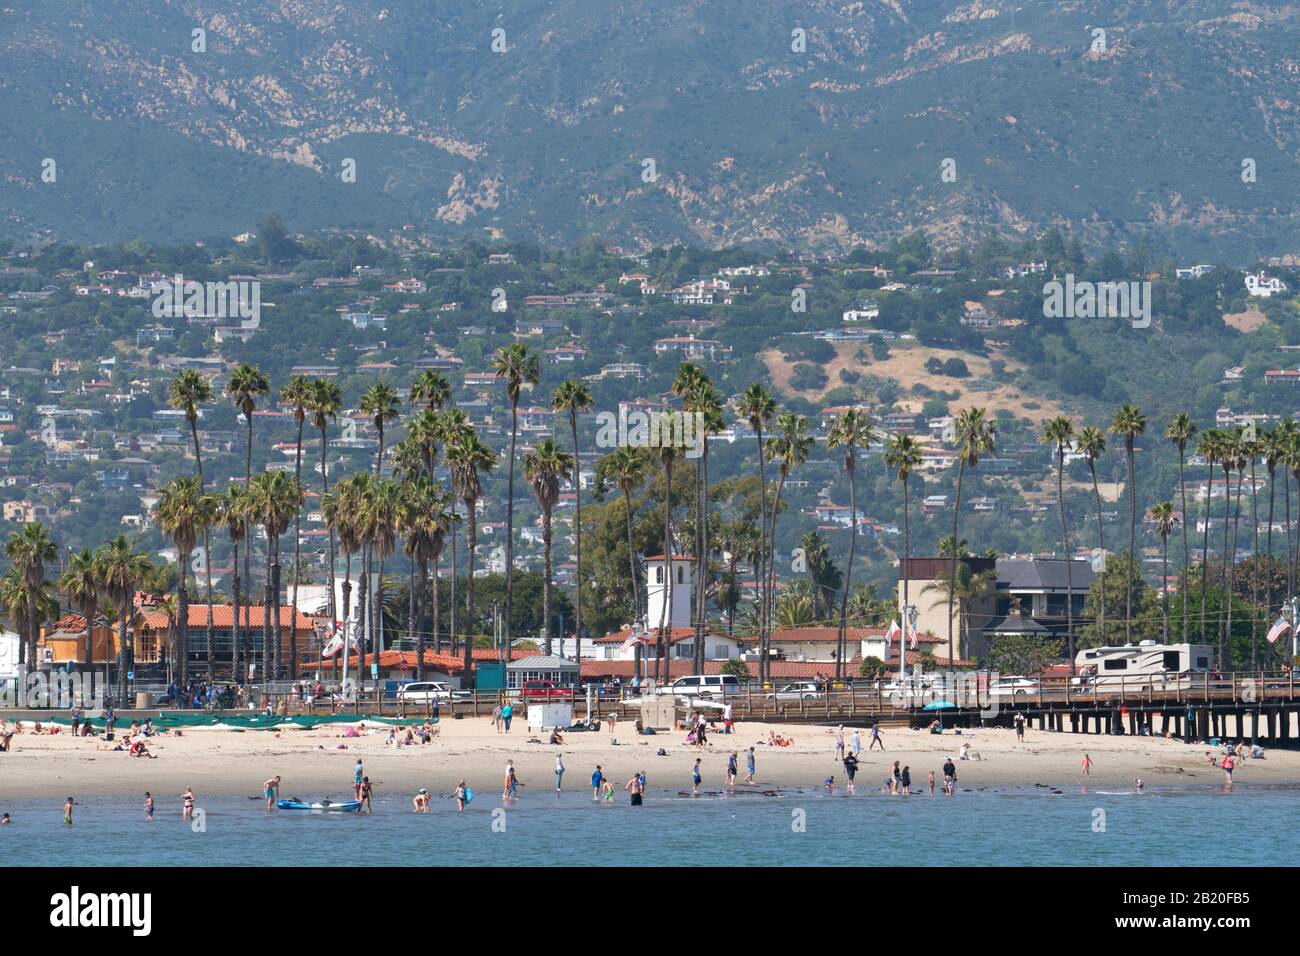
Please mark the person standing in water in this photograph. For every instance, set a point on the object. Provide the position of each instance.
(187, 804)
(850, 768)
(148, 806)
(366, 793)
(749, 765)
(271, 790)
(67, 812)
(695, 777)
(636, 787)
(905, 780)
(949, 776)
(931, 783)
(357, 774)
(460, 794)
(1087, 766)
(559, 772)
(597, 778)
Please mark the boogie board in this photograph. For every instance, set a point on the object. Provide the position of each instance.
(352, 806)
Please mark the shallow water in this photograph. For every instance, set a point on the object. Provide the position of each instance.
(1002, 826)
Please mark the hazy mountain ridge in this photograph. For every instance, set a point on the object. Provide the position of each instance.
(751, 142)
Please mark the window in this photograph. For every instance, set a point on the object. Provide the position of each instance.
(681, 574)
(659, 575)
(1114, 664)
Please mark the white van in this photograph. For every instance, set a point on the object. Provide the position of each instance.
(712, 686)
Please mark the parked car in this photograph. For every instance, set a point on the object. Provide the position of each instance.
(423, 692)
(542, 690)
(714, 686)
(803, 691)
(1013, 687)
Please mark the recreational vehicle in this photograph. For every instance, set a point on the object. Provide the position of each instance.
(1147, 664)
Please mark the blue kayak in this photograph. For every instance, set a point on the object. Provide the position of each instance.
(352, 806)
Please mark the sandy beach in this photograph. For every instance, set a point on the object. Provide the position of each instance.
(319, 762)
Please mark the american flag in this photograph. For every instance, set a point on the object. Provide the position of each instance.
(892, 633)
(1280, 627)
(911, 631)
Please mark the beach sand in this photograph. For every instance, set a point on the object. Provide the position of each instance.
(312, 763)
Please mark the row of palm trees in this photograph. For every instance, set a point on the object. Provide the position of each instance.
(368, 515)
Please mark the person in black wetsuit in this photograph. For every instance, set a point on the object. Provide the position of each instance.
(850, 768)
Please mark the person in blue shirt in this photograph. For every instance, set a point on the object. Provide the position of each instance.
(695, 777)
(731, 770)
(597, 778)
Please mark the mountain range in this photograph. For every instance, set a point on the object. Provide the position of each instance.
(815, 125)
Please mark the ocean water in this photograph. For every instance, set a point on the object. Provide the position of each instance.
(994, 826)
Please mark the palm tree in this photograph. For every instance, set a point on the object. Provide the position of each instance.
(543, 467)
(975, 435)
(296, 396)
(789, 445)
(186, 392)
(123, 568)
(903, 456)
(380, 510)
(184, 511)
(667, 455)
(1229, 457)
(967, 587)
(421, 444)
(1059, 432)
(1129, 422)
(27, 610)
(1241, 450)
(704, 402)
(1165, 520)
(273, 500)
(381, 403)
(625, 468)
(339, 508)
(758, 408)
(1209, 447)
(1252, 447)
(29, 549)
(453, 424)
(325, 402)
(852, 430)
(431, 389)
(571, 397)
(81, 583)
(231, 513)
(1092, 445)
(518, 366)
(1180, 431)
(247, 384)
(468, 457)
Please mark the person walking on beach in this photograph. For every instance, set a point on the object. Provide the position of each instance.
(636, 787)
(148, 806)
(366, 793)
(857, 742)
(695, 777)
(726, 718)
(949, 776)
(1020, 727)
(76, 719)
(496, 718)
(187, 804)
(559, 772)
(358, 774)
(876, 738)
(271, 790)
(1087, 766)
(512, 782)
(749, 765)
(731, 770)
(507, 712)
(850, 768)
(1229, 764)
(597, 778)
(839, 743)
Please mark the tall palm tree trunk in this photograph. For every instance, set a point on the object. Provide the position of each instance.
(1101, 546)
(546, 584)
(325, 490)
(843, 638)
(952, 574)
(1205, 545)
(665, 629)
(510, 522)
(769, 585)
(1132, 551)
(1164, 577)
(207, 550)
(235, 633)
(760, 575)
(454, 610)
(631, 558)
(1065, 550)
(1182, 489)
(471, 539)
(297, 554)
(1254, 567)
(1225, 598)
